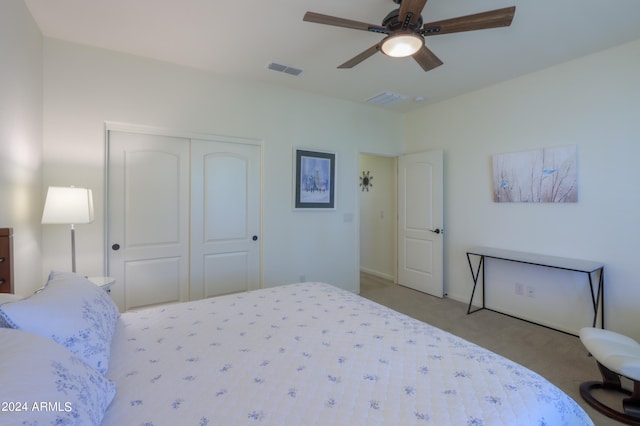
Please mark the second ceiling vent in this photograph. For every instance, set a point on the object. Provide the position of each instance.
(284, 68)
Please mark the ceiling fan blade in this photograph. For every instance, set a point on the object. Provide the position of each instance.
(319, 18)
(361, 57)
(426, 59)
(414, 7)
(478, 21)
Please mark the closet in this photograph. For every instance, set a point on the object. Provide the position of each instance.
(183, 216)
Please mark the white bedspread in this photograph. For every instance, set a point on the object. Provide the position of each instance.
(311, 353)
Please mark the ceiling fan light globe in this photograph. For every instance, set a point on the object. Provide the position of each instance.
(401, 45)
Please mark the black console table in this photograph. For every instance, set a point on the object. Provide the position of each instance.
(585, 266)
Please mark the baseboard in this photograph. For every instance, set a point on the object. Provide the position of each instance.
(377, 274)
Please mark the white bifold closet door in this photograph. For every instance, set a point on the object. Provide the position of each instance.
(183, 218)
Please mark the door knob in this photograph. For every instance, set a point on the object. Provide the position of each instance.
(435, 231)
(254, 238)
(116, 246)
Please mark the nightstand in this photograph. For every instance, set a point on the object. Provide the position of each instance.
(104, 283)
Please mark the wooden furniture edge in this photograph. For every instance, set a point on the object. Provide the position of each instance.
(6, 260)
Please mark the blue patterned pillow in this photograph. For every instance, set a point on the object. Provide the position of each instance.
(45, 384)
(6, 298)
(71, 311)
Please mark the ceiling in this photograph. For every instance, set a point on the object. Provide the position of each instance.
(241, 38)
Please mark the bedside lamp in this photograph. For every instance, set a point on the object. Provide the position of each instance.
(69, 206)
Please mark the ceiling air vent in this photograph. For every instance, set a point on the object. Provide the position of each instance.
(284, 68)
(386, 99)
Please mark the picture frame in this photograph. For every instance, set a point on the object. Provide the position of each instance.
(314, 180)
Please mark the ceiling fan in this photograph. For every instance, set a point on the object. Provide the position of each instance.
(406, 32)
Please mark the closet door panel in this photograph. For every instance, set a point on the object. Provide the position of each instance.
(148, 215)
(226, 197)
(225, 218)
(225, 272)
(153, 281)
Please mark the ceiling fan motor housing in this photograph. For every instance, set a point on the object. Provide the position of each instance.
(393, 23)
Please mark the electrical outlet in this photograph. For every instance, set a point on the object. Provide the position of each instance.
(519, 289)
(531, 291)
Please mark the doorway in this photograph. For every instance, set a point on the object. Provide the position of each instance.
(378, 212)
(401, 219)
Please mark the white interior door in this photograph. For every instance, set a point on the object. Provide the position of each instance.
(420, 221)
(225, 218)
(148, 213)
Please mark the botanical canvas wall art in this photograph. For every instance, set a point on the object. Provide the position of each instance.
(546, 175)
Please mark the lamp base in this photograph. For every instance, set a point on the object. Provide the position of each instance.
(73, 248)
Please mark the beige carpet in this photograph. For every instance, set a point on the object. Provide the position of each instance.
(557, 356)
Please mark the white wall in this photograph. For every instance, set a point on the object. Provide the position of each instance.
(592, 102)
(21, 139)
(378, 217)
(84, 87)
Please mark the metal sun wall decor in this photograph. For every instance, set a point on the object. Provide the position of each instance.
(546, 175)
(365, 181)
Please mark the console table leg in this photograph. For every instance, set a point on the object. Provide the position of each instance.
(475, 275)
(600, 299)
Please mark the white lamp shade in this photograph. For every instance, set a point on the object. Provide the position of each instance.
(68, 205)
(400, 45)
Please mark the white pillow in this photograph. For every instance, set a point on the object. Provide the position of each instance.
(44, 383)
(73, 312)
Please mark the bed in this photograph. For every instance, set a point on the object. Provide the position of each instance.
(305, 353)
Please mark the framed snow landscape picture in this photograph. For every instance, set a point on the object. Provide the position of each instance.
(314, 177)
